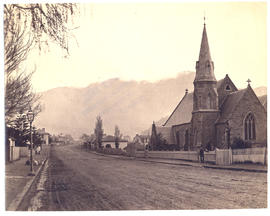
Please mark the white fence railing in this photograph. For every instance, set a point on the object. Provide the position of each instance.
(181, 155)
(254, 155)
(219, 156)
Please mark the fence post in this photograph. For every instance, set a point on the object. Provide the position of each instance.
(230, 156)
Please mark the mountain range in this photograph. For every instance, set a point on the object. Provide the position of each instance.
(131, 105)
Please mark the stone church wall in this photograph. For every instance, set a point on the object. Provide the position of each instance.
(220, 136)
(203, 124)
(249, 103)
(180, 131)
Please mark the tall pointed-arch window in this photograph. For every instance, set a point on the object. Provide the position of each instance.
(250, 131)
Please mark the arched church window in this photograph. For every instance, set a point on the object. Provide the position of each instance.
(228, 88)
(249, 126)
(208, 64)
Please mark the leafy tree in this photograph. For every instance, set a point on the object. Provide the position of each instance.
(153, 139)
(161, 143)
(21, 130)
(117, 136)
(98, 132)
(37, 140)
(25, 26)
(85, 139)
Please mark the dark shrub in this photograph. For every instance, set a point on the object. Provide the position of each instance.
(111, 151)
(239, 143)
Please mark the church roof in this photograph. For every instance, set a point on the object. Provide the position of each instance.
(183, 111)
(219, 83)
(229, 104)
(166, 133)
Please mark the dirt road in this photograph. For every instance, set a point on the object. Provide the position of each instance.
(78, 180)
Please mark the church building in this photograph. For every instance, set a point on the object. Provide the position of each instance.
(216, 112)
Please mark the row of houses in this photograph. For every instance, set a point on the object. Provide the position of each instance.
(108, 141)
(15, 149)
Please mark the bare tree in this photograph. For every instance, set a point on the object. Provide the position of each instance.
(44, 21)
(27, 25)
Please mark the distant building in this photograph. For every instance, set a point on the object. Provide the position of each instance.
(44, 136)
(216, 112)
(109, 142)
(127, 138)
(141, 139)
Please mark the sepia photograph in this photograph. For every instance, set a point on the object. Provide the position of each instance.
(139, 105)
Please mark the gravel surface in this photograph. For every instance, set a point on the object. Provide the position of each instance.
(78, 180)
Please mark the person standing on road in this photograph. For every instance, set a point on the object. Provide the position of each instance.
(202, 155)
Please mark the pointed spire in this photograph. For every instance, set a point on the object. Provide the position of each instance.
(205, 65)
(204, 51)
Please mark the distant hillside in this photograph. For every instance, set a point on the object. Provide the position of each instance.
(260, 91)
(129, 104)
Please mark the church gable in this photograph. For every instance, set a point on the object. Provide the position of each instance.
(224, 88)
(249, 105)
(229, 104)
(183, 111)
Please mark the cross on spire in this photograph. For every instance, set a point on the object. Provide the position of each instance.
(249, 81)
(204, 17)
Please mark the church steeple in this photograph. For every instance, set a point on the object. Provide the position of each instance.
(205, 83)
(205, 98)
(205, 65)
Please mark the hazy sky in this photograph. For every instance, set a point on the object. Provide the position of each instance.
(153, 41)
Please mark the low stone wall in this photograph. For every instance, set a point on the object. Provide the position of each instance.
(254, 155)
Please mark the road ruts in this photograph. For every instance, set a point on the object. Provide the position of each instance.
(78, 180)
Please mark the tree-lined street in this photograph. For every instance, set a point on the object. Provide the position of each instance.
(78, 180)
